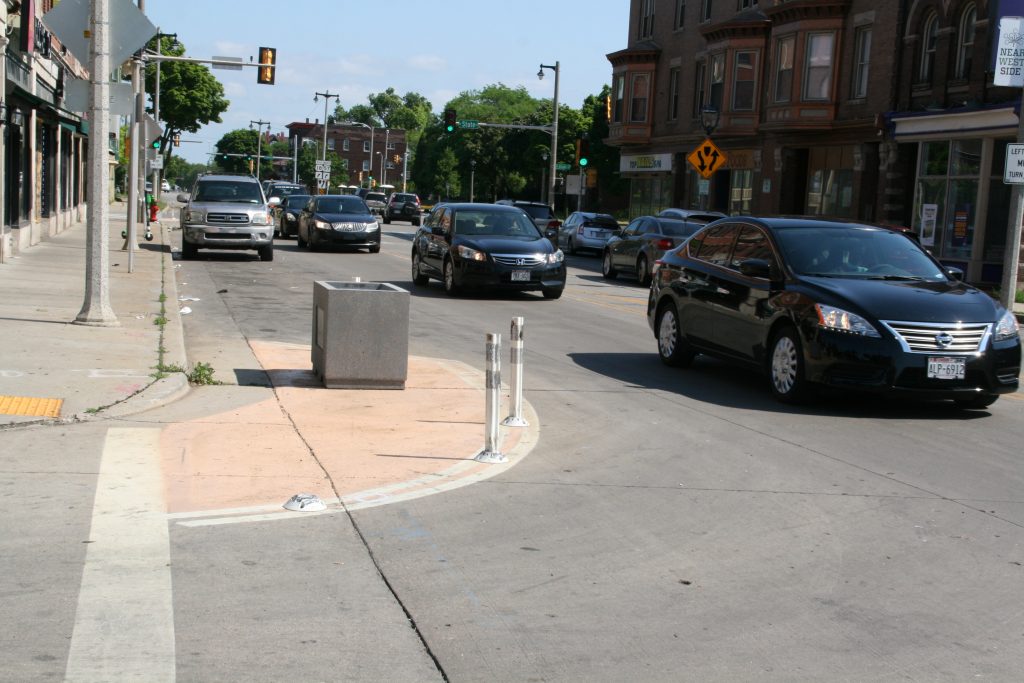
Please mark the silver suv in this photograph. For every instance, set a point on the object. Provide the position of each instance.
(227, 212)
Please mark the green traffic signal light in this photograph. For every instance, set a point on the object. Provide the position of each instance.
(156, 143)
(450, 120)
(583, 161)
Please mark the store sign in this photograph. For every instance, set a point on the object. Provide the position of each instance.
(1009, 69)
(645, 163)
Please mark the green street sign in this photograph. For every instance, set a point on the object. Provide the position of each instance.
(562, 166)
(469, 124)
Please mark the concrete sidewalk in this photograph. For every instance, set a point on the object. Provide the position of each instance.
(53, 369)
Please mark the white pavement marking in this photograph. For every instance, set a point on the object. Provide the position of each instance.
(124, 624)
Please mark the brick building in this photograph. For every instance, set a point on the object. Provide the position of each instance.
(872, 110)
(377, 153)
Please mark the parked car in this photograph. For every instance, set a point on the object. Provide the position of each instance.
(586, 230)
(286, 216)
(165, 186)
(542, 214)
(338, 219)
(635, 249)
(403, 206)
(486, 246)
(376, 201)
(692, 215)
(815, 302)
(227, 211)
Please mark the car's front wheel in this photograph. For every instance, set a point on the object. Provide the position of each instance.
(552, 292)
(786, 367)
(672, 348)
(450, 286)
(189, 250)
(607, 269)
(266, 253)
(418, 278)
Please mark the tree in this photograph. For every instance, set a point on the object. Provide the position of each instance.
(182, 173)
(241, 143)
(308, 156)
(190, 96)
(446, 177)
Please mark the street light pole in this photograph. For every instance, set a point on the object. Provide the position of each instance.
(554, 131)
(384, 161)
(327, 97)
(472, 174)
(259, 142)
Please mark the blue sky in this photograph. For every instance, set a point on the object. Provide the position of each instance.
(437, 49)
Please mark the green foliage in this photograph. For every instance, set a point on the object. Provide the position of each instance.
(1019, 296)
(308, 156)
(446, 177)
(190, 96)
(202, 374)
(182, 173)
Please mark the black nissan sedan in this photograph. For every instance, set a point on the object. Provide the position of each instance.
(823, 303)
(486, 246)
(338, 219)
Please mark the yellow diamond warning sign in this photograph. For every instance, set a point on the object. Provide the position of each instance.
(707, 158)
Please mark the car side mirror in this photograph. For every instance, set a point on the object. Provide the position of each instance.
(954, 272)
(756, 267)
(274, 201)
(183, 198)
(437, 230)
(551, 233)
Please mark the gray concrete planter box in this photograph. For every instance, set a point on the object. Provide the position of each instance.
(360, 335)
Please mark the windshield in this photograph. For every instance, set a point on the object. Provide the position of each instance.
(343, 204)
(855, 252)
(229, 191)
(495, 223)
(403, 197)
(285, 190)
(375, 196)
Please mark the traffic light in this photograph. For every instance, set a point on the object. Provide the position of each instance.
(583, 153)
(177, 140)
(265, 71)
(396, 159)
(155, 144)
(450, 120)
(608, 108)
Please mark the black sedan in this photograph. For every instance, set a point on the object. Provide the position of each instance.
(821, 303)
(338, 219)
(486, 246)
(287, 214)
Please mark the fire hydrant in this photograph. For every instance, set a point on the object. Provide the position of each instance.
(152, 210)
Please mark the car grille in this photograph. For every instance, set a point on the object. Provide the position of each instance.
(939, 337)
(520, 260)
(227, 218)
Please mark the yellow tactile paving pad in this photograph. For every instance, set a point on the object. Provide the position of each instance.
(30, 405)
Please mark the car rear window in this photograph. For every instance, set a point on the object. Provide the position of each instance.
(603, 222)
(536, 210)
(285, 190)
(403, 197)
(676, 228)
(375, 196)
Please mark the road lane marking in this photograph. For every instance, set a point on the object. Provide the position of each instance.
(124, 623)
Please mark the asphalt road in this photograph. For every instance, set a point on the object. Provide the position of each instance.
(670, 524)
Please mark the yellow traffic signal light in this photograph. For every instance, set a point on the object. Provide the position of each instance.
(265, 70)
(396, 159)
(608, 108)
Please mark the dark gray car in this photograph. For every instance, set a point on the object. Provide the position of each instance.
(635, 249)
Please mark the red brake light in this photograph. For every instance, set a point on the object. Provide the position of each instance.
(554, 223)
(664, 243)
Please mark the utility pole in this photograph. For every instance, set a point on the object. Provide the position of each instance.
(259, 142)
(337, 98)
(554, 131)
(96, 308)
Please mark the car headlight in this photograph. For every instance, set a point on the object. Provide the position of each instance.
(323, 225)
(557, 257)
(1007, 327)
(289, 216)
(470, 254)
(262, 219)
(832, 318)
(371, 227)
(193, 216)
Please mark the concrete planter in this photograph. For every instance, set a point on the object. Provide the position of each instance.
(360, 335)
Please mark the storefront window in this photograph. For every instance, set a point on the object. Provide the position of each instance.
(740, 191)
(648, 196)
(946, 200)
(998, 214)
(830, 182)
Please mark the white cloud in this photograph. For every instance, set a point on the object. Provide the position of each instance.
(427, 62)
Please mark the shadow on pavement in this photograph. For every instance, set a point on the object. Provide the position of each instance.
(712, 381)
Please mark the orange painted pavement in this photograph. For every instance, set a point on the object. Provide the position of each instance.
(260, 455)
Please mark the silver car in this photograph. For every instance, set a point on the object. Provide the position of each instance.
(586, 230)
(227, 212)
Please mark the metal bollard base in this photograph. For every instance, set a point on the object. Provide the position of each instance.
(515, 421)
(492, 457)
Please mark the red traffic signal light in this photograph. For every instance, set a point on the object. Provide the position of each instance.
(267, 66)
(450, 120)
